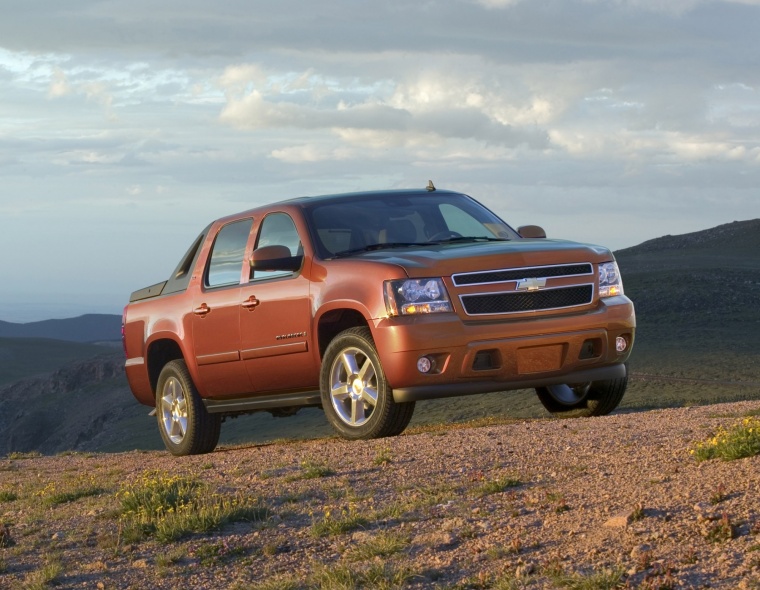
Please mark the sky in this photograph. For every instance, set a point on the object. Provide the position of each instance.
(126, 127)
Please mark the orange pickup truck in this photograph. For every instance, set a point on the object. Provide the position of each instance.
(364, 303)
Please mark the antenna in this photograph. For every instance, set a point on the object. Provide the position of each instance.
(430, 186)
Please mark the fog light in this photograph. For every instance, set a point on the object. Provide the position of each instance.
(424, 364)
(620, 344)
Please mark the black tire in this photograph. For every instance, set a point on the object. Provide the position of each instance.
(598, 398)
(185, 426)
(356, 397)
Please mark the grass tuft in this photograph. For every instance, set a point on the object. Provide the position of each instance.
(384, 544)
(383, 457)
(19, 455)
(8, 496)
(44, 577)
(740, 440)
(71, 496)
(169, 507)
(378, 576)
(330, 524)
(606, 579)
(314, 469)
(497, 486)
(722, 530)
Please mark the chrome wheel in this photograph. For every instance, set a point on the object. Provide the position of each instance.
(353, 386)
(569, 395)
(174, 410)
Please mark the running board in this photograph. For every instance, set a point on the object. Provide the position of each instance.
(264, 402)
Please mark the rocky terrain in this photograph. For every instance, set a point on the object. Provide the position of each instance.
(617, 501)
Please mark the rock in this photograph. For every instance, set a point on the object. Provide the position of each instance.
(5, 536)
(140, 564)
(621, 520)
(436, 540)
(524, 570)
(640, 550)
(361, 536)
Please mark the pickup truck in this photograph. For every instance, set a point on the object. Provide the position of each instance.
(364, 303)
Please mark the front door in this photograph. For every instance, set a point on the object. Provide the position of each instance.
(276, 322)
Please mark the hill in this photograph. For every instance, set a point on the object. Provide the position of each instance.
(86, 328)
(697, 300)
(22, 358)
(739, 241)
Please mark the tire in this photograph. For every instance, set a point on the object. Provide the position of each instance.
(598, 398)
(356, 397)
(185, 426)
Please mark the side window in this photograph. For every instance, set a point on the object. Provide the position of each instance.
(226, 260)
(277, 229)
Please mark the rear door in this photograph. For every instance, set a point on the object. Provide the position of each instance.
(276, 321)
(216, 315)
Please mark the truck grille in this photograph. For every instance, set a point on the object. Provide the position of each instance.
(515, 302)
(516, 274)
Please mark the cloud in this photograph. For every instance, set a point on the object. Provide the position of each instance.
(436, 106)
(606, 120)
(59, 85)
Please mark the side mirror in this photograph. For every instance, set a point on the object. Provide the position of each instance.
(531, 231)
(271, 258)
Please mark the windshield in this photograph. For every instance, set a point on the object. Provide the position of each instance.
(364, 223)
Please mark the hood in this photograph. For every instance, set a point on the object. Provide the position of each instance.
(447, 259)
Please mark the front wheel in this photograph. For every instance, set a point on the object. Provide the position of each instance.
(579, 400)
(355, 395)
(185, 426)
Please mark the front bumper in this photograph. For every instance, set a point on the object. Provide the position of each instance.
(481, 357)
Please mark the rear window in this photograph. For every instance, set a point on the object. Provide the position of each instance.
(226, 260)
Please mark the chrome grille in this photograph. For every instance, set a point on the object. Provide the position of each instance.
(516, 274)
(516, 302)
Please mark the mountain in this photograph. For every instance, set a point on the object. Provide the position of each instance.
(85, 328)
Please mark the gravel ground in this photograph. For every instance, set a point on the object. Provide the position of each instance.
(616, 501)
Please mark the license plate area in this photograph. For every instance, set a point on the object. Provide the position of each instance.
(540, 359)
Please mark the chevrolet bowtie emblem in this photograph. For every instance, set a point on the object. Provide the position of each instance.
(530, 284)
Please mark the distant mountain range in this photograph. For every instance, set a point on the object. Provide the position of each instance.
(697, 300)
(86, 328)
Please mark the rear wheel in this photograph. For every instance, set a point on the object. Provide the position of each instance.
(185, 426)
(597, 398)
(355, 395)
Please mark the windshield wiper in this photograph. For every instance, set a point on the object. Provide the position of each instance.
(470, 239)
(382, 246)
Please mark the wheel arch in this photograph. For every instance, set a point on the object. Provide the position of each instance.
(333, 321)
(161, 351)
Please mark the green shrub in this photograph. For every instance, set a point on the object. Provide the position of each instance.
(742, 439)
(170, 507)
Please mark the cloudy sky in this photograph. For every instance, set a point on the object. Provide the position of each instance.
(125, 127)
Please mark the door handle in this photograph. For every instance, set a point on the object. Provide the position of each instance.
(251, 303)
(202, 310)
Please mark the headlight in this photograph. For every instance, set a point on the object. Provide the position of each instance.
(413, 296)
(610, 283)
